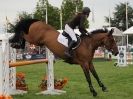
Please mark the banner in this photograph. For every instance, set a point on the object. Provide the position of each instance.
(122, 61)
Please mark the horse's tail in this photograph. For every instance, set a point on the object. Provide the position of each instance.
(20, 28)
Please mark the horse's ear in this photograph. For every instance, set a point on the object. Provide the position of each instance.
(111, 32)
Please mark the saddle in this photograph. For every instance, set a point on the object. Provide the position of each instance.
(75, 45)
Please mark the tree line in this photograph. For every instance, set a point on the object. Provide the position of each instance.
(123, 13)
(54, 14)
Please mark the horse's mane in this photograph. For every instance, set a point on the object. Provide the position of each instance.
(103, 30)
(96, 31)
(21, 27)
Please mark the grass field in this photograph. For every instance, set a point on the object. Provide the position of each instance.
(119, 81)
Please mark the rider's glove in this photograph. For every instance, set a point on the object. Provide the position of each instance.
(88, 33)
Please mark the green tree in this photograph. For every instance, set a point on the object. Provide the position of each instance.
(119, 16)
(69, 10)
(10, 28)
(39, 13)
(24, 15)
(53, 14)
(41, 9)
(21, 15)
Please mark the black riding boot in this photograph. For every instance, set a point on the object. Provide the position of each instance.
(68, 52)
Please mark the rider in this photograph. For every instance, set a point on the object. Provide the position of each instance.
(77, 21)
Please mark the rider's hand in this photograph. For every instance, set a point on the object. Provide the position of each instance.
(88, 33)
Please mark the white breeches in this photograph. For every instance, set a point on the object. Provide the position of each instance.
(70, 32)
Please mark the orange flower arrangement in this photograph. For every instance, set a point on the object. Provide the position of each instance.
(5, 97)
(58, 84)
(20, 81)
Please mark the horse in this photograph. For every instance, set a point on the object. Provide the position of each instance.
(39, 33)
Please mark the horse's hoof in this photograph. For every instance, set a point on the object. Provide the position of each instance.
(104, 89)
(115, 64)
(94, 94)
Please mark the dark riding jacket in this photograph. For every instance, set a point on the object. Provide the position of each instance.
(78, 21)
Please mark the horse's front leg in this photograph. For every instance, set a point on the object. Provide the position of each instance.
(85, 68)
(94, 73)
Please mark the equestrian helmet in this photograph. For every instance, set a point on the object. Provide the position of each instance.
(86, 10)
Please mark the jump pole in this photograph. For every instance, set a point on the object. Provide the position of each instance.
(22, 63)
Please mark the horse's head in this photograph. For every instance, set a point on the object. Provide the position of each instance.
(110, 43)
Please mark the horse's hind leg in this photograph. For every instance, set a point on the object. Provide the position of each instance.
(94, 73)
(85, 68)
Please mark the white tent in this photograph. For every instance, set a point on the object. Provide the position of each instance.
(128, 31)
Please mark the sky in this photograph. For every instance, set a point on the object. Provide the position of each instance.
(101, 8)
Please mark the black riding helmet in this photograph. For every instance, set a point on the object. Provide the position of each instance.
(86, 10)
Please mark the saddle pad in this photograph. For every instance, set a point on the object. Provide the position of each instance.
(63, 40)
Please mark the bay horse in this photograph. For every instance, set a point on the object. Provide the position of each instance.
(39, 33)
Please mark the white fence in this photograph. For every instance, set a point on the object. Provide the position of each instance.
(8, 75)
